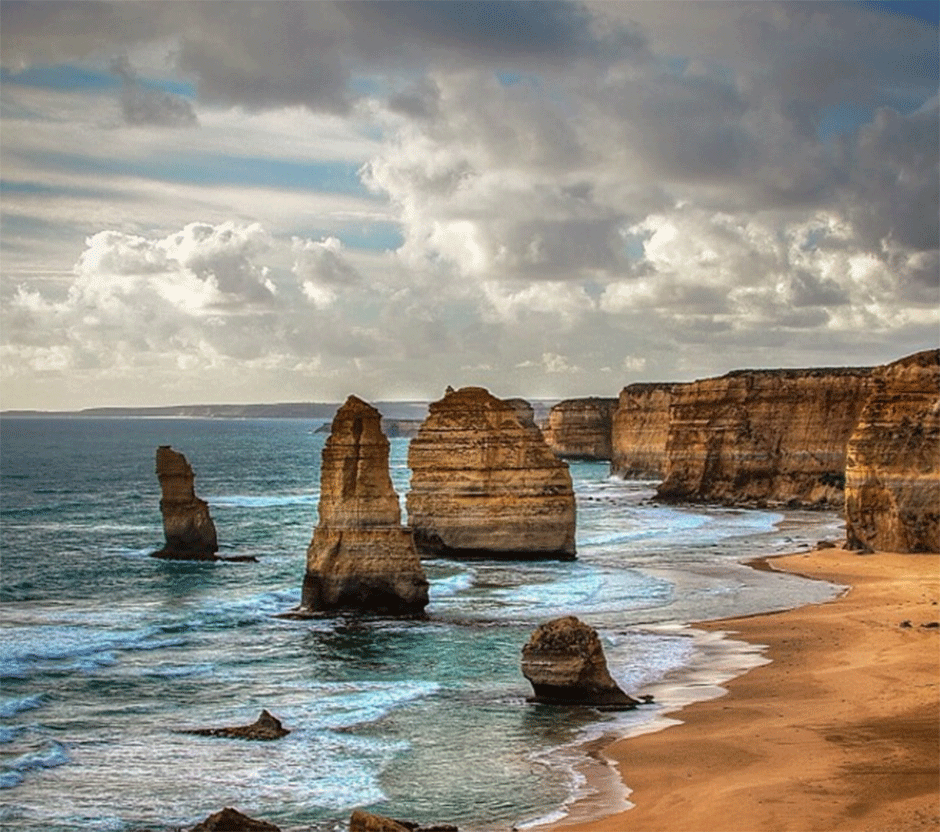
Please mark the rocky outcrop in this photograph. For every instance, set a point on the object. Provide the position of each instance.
(581, 428)
(756, 437)
(266, 727)
(485, 484)
(189, 530)
(231, 820)
(892, 489)
(640, 431)
(565, 663)
(361, 557)
(362, 821)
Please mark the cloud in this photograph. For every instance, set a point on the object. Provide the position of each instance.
(141, 105)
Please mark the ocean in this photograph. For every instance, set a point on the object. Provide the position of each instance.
(106, 652)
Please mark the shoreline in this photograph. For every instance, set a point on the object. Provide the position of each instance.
(837, 730)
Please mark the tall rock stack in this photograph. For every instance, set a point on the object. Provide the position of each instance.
(764, 436)
(361, 557)
(189, 530)
(581, 428)
(640, 431)
(892, 488)
(485, 484)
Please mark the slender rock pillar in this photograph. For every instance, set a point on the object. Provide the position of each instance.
(189, 530)
(361, 557)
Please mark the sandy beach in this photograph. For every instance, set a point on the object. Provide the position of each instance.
(840, 731)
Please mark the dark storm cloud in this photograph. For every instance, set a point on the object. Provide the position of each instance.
(144, 105)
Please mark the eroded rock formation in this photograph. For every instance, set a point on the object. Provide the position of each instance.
(640, 431)
(892, 494)
(564, 661)
(189, 530)
(581, 428)
(763, 436)
(361, 557)
(485, 484)
(362, 821)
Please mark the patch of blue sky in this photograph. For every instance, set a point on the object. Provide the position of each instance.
(842, 120)
(377, 236)
(321, 176)
(926, 10)
(14, 186)
(85, 79)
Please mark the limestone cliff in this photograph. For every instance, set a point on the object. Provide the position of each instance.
(485, 484)
(361, 557)
(892, 488)
(581, 428)
(639, 431)
(764, 436)
(187, 526)
(564, 661)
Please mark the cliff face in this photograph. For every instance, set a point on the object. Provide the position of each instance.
(581, 428)
(485, 484)
(188, 528)
(756, 436)
(892, 489)
(639, 431)
(361, 557)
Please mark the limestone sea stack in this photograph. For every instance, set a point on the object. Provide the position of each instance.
(581, 428)
(892, 489)
(189, 530)
(361, 557)
(640, 430)
(755, 437)
(565, 663)
(485, 484)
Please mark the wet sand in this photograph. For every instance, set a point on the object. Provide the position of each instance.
(840, 731)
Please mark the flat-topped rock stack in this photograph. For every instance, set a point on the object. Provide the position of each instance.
(581, 428)
(485, 484)
(640, 431)
(361, 557)
(188, 528)
(892, 487)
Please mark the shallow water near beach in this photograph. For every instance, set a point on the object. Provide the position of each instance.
(105, 651)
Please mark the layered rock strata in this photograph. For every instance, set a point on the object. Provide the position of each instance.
(361, 557)
(640, 430)
(188, 528)
(485, 484)
(763, 437)
(231, 820)
(565, 663)
(581, 428)
(892, 489)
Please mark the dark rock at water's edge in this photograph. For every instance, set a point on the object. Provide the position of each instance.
(362, 821)
(231, 820)
(564, 661)
(265, 727)
(187, 526)
(361, 558)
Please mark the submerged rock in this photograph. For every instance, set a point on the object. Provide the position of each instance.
(361, 557)
(265, 727)
(231, 820)
(565, 663)
(189, 530)
(485, 483)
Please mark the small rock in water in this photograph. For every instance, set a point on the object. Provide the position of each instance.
(265, 727)
(362, 821)
(231, 820)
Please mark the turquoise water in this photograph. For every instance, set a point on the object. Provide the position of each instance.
(105, 651)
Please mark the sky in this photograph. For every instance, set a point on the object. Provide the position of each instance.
(210, 202)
